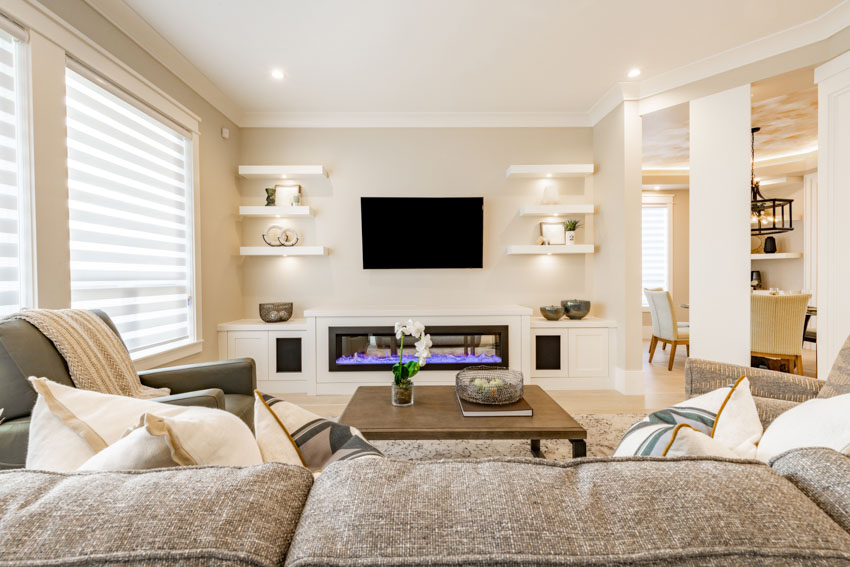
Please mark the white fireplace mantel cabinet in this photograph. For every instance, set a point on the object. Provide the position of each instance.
(333, 350)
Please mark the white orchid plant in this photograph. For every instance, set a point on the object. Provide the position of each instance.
(404, 372)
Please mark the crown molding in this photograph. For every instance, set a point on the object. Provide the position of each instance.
(415, 120)
(610, 99)
(813, 31)
(122, 16)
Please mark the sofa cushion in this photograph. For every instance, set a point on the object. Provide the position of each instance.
(823, 475)
(605, 511)
(14, 434)
(838, 381)
(187, 516)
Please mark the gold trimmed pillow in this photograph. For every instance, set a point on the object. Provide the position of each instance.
(287, 433)
(728, 416)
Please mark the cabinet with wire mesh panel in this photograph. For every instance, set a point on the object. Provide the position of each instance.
(571, 353)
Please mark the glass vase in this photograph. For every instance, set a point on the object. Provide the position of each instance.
(403, 395)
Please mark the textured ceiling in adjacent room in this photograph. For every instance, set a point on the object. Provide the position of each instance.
(785, 107)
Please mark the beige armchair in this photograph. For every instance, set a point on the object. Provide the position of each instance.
(665, 328)
(776, 327)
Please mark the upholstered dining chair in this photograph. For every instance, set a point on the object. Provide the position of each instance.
(665, 328)
(776, 327)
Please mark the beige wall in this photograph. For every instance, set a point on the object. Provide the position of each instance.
(413, 162)
(681, 245)
(617, 265)
(220, 269)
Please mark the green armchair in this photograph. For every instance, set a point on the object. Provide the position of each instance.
(25, 352)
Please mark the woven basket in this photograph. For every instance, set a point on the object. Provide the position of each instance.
(489, 385)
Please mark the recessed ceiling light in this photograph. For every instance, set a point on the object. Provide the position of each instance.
(634, 73)
(548, 175)
(657, 188)
(283, 176)
(277, 74)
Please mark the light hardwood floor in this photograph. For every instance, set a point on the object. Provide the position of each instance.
(661, 390)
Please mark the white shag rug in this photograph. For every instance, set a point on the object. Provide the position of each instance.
(604, 431)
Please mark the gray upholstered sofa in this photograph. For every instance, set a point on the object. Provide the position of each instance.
(375, 512)
(25, 352)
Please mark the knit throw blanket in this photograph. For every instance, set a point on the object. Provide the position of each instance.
(96, 357)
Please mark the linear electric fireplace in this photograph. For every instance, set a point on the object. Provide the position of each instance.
(353, 349)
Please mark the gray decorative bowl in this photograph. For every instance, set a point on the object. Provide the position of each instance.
(552, 312)
(576, 308)
(275, 312)
(489, 385)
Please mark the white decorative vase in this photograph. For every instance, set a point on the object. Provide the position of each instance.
(571, 237)
(550, 195)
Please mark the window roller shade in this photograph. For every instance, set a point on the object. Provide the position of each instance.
(130, 189)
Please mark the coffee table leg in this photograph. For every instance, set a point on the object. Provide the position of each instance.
(579, 448)
(535, 449)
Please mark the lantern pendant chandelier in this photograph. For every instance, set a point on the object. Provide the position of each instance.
(767, 216)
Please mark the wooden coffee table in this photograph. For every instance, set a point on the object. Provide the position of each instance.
(435, 414)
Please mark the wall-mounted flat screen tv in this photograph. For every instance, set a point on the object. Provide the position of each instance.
(422, 232)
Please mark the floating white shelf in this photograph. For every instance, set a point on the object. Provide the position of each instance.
(283, 251)
(777, 256)
(551, 170)
(558, 249)
(282, 171)
(276, 212)
(556, 210)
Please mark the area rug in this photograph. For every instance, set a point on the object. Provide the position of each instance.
(604, 431)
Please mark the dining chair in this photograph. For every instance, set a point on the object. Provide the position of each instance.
(776, 327)
(665, 328)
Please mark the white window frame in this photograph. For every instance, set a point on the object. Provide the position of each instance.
(655, 200)
(26, 258)
(78, 46)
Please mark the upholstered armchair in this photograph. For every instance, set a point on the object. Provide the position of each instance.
(665, 328)
(25, 352)
(774, 392)
(776, 327)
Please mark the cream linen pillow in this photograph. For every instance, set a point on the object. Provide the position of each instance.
(689, 442)
(821, 422)
(69, 426)
(148, 446)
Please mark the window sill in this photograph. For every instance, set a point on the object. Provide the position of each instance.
(155, 357)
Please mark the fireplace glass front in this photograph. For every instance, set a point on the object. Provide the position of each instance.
(355, 349)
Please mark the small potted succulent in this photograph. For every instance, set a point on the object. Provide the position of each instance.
(570, 226)
(403, 372)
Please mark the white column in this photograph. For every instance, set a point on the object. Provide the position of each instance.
(720, 226)
(833, 80)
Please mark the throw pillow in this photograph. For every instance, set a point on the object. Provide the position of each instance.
(727, 415)
(148, 446)
(290, 434)
(821, 422)
(70, 425)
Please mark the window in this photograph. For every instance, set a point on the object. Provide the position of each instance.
(130, 193)
(657, 242)
(15, 254)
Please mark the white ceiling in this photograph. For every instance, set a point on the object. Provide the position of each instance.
(452, 56)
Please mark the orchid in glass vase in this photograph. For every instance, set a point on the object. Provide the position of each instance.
(403, 372)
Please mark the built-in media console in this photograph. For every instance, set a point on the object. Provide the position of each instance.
(333, 350)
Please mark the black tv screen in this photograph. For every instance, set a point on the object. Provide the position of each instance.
(422, 232)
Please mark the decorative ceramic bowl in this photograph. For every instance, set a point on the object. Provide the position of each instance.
(552, 312)
(576, 308)
(275, 312)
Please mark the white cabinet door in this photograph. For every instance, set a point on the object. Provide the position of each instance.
(549, 353)
(250, 344)
(588, 352)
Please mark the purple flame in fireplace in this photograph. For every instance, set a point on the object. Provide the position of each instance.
(435, 358)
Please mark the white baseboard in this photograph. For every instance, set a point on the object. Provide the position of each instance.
(628, 382)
